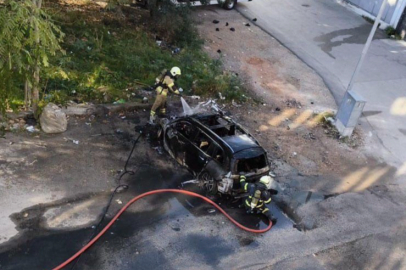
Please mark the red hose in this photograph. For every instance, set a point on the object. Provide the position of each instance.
(88, 245)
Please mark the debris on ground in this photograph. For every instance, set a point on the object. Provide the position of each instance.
(216, 21)
(309, 136)
(293, 103)
(226, 23)
(31, 129)
(232, 29)
(217, 29)
(120, 101)
(75, 142)
(254, 20)
(176, 51)
(247, 24)
(219, 51)
(235, 104)
(53, 119)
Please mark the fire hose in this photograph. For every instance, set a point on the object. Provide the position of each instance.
(189, 193)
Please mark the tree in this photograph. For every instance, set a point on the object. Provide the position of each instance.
(27, 38)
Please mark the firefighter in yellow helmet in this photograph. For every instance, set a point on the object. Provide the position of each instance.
(164, 83)
(259, 195)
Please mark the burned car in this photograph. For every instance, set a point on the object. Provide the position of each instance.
(216, 150)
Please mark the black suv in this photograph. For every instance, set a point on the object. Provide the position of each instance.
(216, 150)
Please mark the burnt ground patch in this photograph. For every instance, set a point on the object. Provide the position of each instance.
(39, 247)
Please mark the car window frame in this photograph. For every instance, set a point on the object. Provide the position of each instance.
(211, 150)
(196, 146)
(183, 135)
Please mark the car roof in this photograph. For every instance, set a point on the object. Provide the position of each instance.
(235, 143)
(239, 143)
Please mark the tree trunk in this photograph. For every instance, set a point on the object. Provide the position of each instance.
(35, 88)
(27, 95)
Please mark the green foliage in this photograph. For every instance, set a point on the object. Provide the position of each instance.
(174, 23)
(107, 58)
(28, 38)
(390, 31)
(103, 61)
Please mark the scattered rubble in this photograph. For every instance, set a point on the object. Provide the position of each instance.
(293, 103)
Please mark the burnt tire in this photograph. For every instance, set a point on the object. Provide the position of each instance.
(229, 4)
(208, 184)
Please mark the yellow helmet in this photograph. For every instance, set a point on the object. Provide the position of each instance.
(175, 71)
(267, 181)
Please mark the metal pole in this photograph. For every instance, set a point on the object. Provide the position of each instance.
(367, 44)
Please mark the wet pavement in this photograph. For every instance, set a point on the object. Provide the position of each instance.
(46, 239)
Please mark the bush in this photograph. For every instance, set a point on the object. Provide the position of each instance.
(174, 24)
(390, 31)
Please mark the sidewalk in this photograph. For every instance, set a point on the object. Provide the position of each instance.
(329, 38)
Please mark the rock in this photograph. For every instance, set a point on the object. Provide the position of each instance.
(215, 21)
(226, 23)
(217, 29)
(53, 119)
(219, 51)
(79, 109)
(247, 24)
(232, 29)
(254, 20)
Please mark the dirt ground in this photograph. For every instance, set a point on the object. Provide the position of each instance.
(293, 99)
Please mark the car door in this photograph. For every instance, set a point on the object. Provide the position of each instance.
(217, 166)
(177, 136)
(196, 157)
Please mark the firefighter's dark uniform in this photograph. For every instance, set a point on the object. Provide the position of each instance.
(166, 83)
(258, 197)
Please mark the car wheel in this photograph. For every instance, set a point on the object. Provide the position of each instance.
(208, 183)
(229, 4)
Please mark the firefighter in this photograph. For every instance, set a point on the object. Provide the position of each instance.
(164, 83)
(259, 195)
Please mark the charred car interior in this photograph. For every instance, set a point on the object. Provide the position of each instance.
(216, 150)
